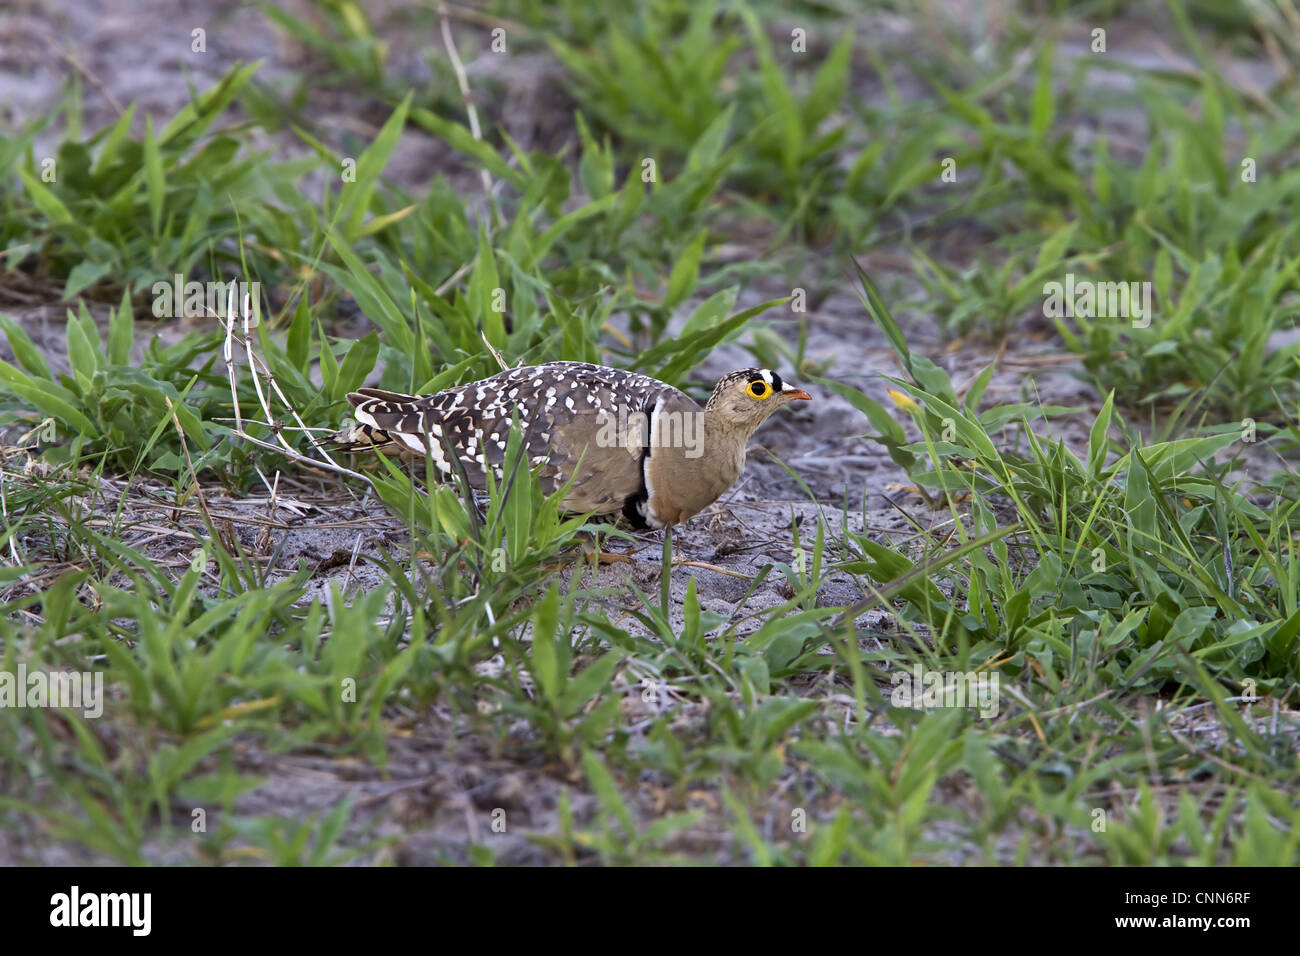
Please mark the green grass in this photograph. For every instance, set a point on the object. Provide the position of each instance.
(1135, 595)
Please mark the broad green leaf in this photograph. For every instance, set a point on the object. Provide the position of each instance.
(153, 177)
(357, 364)
(25, 351)
(685, 272)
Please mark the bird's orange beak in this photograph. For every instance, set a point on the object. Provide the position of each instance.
(798, 395)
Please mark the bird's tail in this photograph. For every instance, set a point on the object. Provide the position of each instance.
(359, 438)
(387, 422)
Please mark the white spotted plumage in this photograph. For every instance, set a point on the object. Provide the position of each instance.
(563, 409)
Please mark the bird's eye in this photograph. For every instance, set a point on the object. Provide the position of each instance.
(759, 389)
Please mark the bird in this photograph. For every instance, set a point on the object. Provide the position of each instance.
(618, 442)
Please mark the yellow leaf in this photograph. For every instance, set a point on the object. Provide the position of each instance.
(382, 222)
(903, 401)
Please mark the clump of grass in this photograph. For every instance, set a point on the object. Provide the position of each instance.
(1134, 600)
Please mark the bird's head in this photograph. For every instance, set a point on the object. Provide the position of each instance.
(745, 398)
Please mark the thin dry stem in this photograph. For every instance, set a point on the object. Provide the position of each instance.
(466, 97)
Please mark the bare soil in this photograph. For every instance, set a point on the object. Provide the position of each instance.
(443, 780)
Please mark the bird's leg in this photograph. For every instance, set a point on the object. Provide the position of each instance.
(666, 566)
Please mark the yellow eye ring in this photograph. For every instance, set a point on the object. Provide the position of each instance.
(759, 389)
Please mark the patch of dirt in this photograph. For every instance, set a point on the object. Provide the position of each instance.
(443, 783)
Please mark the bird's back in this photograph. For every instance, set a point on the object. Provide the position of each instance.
(573, 416)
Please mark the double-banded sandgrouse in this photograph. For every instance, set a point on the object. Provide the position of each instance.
(629, 442)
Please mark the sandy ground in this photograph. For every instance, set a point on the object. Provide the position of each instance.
(443, 782)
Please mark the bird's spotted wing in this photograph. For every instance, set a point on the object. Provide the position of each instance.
(567, 412)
